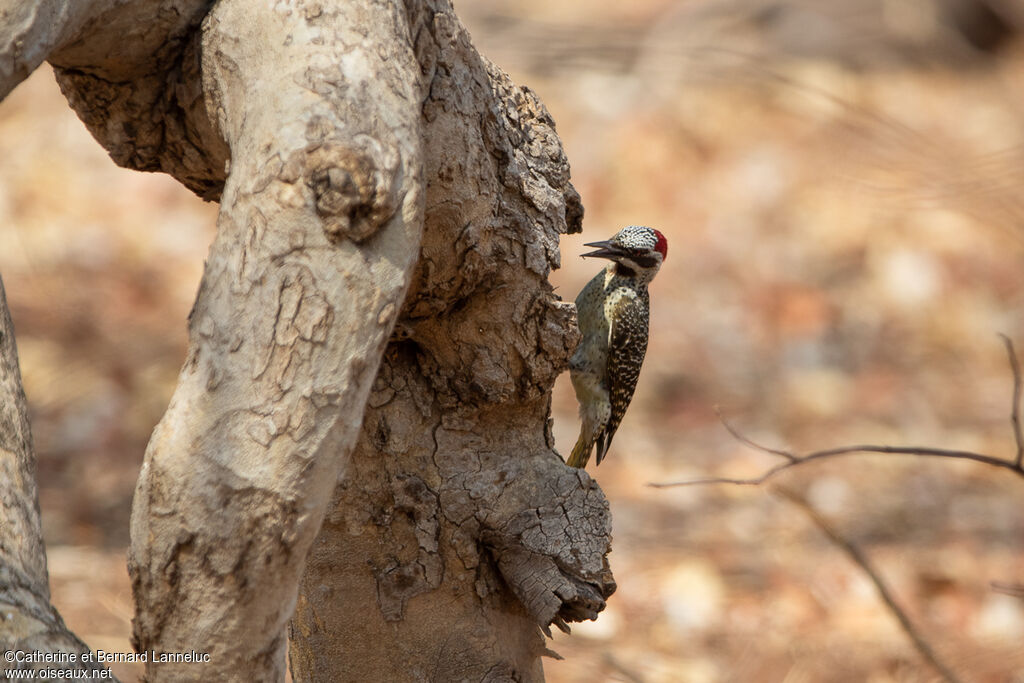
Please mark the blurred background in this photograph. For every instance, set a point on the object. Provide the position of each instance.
(840, 182)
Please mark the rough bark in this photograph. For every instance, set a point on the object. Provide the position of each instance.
(381, 186)
(31, 30)
(317, 238)
(133, 75)
(458, 530)
(130, 69)
(28, 622)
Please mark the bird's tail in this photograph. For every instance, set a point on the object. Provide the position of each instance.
(580, 453)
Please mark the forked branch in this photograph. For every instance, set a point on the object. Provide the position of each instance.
(1015, 465)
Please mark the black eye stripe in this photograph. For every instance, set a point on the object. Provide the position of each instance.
(644, 261)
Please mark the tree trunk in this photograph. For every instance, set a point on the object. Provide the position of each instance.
(455, 504)
(385, 193)
(317, 237)
(29, 625)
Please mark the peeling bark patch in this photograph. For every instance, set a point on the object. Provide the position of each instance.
(303, 314)
(303, 318)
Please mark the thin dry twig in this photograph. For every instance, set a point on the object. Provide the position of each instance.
(861, 560)
(1014, 589)
(792, 460)
(743, 439)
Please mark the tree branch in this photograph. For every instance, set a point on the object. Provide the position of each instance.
(792, 460)
(1013, 589)
(861, 560)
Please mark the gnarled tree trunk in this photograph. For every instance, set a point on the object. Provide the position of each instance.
(455, 504)
(390, 209)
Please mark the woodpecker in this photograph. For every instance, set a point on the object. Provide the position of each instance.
(613, 312)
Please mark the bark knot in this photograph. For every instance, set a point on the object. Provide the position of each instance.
(550, 533)
(355, 185)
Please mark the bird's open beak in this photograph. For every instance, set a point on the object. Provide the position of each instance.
(605, 249)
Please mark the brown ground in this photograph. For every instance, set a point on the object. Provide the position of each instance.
(845, 244)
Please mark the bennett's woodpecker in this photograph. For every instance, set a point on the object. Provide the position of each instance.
(613, 311)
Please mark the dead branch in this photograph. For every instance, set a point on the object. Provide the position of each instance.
(1016, 465)
(861, 560)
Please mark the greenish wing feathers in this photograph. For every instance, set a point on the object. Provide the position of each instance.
(626, 350)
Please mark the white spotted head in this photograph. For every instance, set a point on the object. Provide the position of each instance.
(636, 250)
